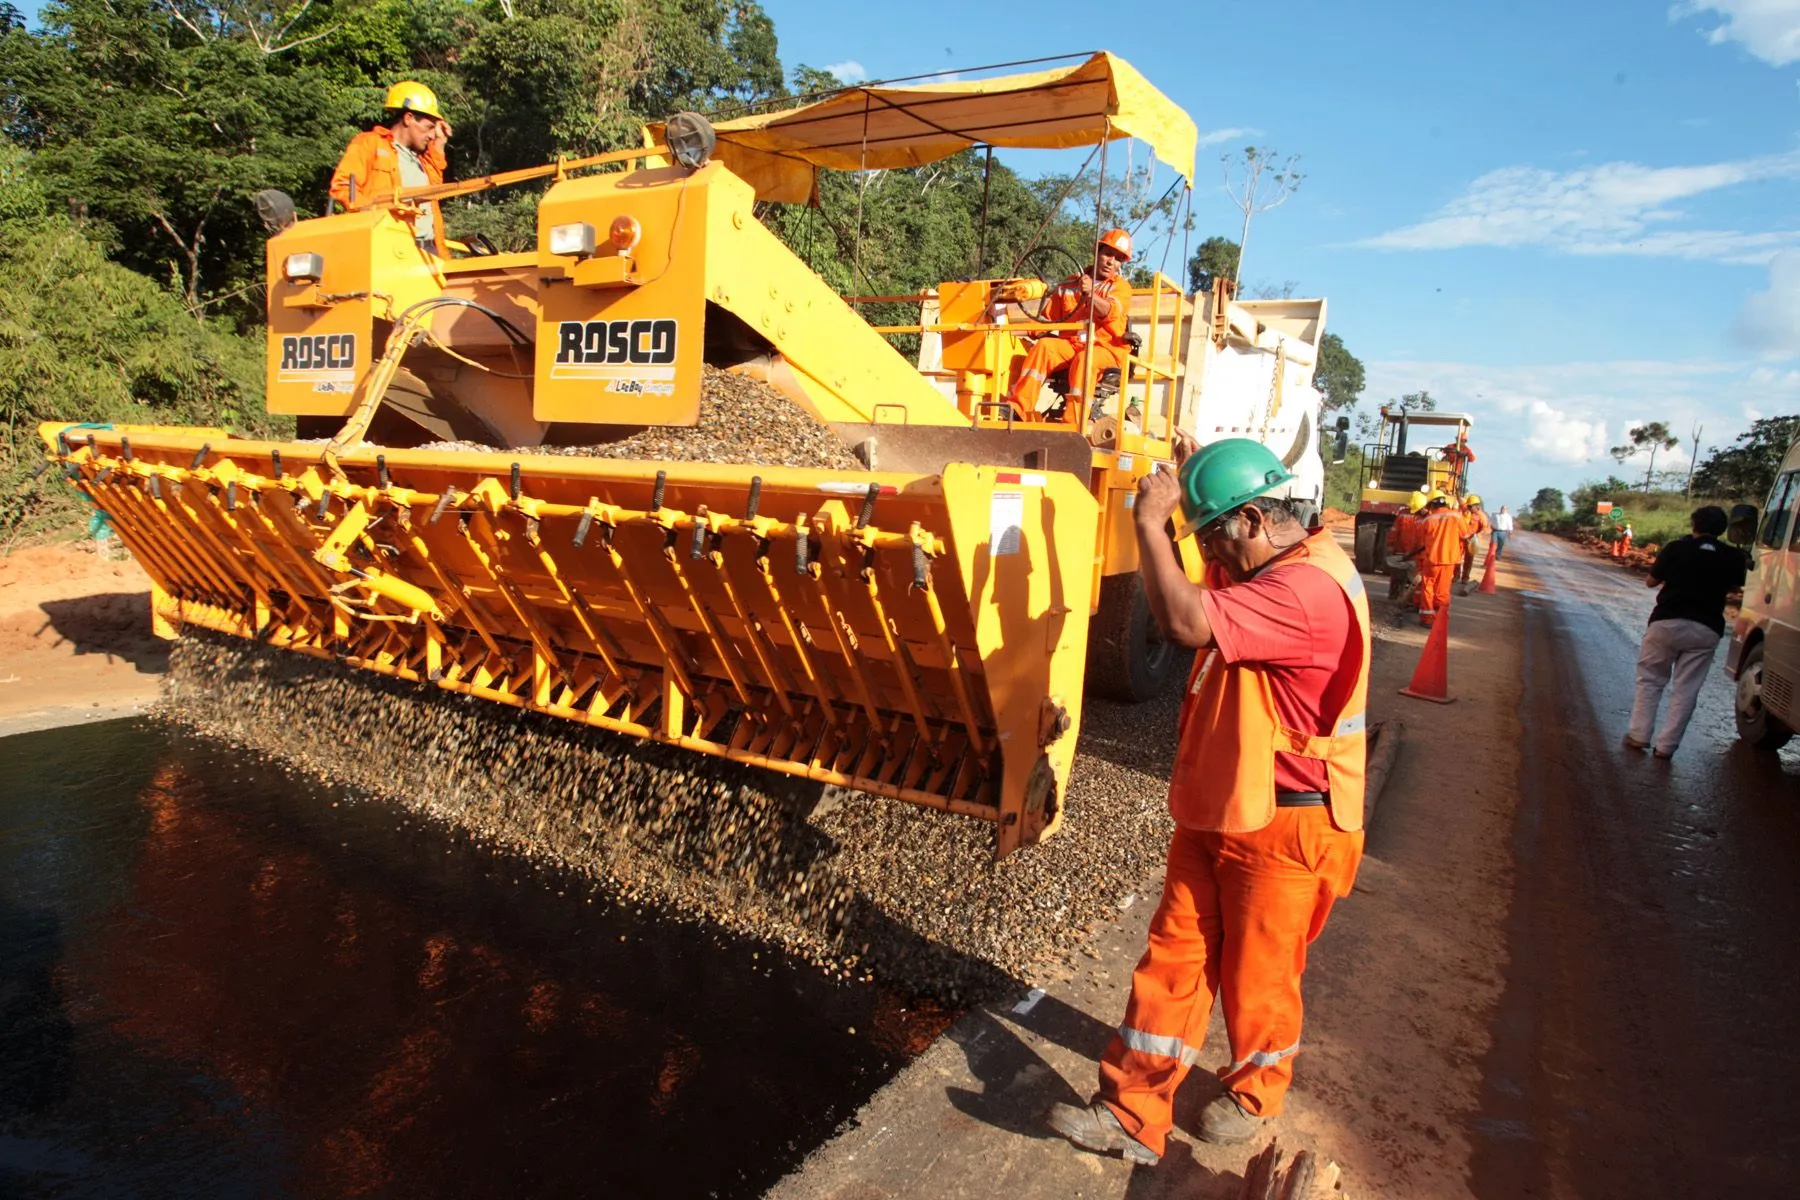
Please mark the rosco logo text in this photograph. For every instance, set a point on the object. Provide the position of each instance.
(600, 343)
(319, 352)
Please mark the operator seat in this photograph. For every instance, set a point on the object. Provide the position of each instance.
(1106, 383)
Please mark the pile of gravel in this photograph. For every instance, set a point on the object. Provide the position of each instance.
(742, 422)
(860, 885)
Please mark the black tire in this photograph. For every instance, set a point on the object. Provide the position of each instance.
(1756, 724)
(1127, 658)
(1371, 545)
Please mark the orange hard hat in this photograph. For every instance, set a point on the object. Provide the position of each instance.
(1118, 241)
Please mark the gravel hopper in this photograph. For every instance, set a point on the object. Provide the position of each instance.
(654, 475)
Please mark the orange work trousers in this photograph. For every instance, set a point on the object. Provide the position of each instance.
(1045, 357)
(1237, 913)
(1434, 589)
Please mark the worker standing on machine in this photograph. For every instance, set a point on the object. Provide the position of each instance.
(1101, 292)
(1267, 797)
(405, 151)
(1440, 554)
(1475, 521)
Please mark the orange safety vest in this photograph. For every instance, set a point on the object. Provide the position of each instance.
(374, 164)
(1229, 786)
(1068, 304)
(1442, 537)
(1476, 522)
(1404, 535)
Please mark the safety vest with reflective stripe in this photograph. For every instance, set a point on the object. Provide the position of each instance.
(1228, 785)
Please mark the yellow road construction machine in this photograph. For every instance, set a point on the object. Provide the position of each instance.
(1416, 451)
(917, 624)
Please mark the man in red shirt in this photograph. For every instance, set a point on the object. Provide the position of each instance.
(1267, 797)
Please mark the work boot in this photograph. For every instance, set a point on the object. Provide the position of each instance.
(1225, 1122)
(1097, 1128)
(1634, 744)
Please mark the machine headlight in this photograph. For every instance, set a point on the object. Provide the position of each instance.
(304, 268)
(624, 234)
(577, 239)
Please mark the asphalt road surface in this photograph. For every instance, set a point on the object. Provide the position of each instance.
(1645, 1043)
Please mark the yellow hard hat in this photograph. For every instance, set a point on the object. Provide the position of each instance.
(1471, 500)
(411, 96)
(1436, 496)
(1416, 501)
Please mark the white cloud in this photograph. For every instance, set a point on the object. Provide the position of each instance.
(1611, 208)
(1768, 29)
(1769, 322)
(1214, 136)
(850, 71)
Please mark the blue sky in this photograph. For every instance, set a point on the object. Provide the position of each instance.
(1563, 218)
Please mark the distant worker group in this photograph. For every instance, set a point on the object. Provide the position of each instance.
(1431, 545)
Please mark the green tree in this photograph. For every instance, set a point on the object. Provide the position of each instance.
(84, 339)
(1257, 179)
(1339, 374)
(1746, 468)
(1549, 502)
(1217, 258)
(1651, 436)
(1419, 401)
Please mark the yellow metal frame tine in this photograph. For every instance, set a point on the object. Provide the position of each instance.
(256, 549)
(817, 683)
(132, 530)
(959, 685)
(709, 624)
(233, 589)
(199, 577)
(578, 605)
(675, 663)
(908, 685)
(481, 538)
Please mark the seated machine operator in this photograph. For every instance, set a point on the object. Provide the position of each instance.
(1101, 289)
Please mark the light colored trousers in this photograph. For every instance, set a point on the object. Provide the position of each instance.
(1675, 655)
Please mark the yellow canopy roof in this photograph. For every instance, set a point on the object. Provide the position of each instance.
(880, 128)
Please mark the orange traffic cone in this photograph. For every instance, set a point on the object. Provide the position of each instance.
(1489, 585)
(1431, 679)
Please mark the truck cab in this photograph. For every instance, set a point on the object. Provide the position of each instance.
(1764, 658)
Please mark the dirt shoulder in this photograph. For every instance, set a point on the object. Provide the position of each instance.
(1401, 990)
(75, 640)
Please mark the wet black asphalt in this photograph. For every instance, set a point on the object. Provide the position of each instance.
(1645, 1044)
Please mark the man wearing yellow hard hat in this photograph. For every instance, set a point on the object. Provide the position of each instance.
(405, 151)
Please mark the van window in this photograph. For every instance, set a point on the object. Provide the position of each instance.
(1781, 502)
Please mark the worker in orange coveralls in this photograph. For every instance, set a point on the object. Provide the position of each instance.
(1475, 522)
(1102, 291)
(405, 151)
(1402, 546)
(1440, 554)
(1459, 455)
(1267, 796)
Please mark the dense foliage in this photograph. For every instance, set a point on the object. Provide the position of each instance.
(1748, 466)
(133, 134)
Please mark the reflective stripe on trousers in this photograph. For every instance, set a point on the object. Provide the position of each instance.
(1236, 914)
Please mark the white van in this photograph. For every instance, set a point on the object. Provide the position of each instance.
(1765, 643)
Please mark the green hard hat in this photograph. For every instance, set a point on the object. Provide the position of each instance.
(1223, 475)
